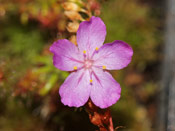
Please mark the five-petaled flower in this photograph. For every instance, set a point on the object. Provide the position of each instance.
(90, 62)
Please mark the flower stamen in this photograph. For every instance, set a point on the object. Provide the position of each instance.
(96, 48)
(75, 68)
(103, 67)
(91, 80)
(84, 52)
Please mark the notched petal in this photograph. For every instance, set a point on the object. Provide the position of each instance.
(105, 90)
(75, 90)
(91, 34)
(66, 55)
(114, 56)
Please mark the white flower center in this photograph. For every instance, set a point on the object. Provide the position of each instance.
(88, 64)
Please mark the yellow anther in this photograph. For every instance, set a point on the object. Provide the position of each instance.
(75, 67)
(104, 67)
(96, 48)
(90, 80)
(84, 52)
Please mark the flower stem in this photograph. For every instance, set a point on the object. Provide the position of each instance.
(99, 117)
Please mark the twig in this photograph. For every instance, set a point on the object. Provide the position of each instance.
(99, 117)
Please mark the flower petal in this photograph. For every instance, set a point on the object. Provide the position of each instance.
(91, 34)
(105, 90)
(76, 89)
(66, 55)
(113, 56)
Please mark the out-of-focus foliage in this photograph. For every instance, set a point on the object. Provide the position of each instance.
(133, 23)
(47, 12)
(29, 82)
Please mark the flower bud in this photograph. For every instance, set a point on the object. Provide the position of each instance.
(2, 11)
(70, 6)
(73, 15)
(73, 26)
(73, 39)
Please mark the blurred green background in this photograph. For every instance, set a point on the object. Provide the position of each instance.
(29, 82)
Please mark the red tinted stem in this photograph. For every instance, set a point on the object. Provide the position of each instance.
(100, 117)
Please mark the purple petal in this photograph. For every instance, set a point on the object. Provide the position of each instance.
(105, 91)
(91, 34)
(75, 90)
(66, 55)
(114, 56)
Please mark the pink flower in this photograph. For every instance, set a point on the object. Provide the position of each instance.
(90, 62)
